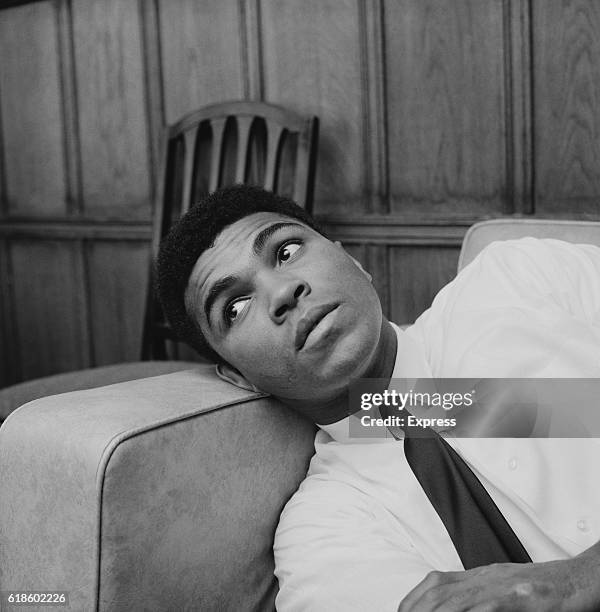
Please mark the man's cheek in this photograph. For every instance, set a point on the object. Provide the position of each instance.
(259, 356)
(262, 348)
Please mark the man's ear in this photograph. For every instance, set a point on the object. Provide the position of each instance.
(233, 376)
(356, 262)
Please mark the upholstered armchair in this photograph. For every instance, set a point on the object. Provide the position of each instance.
(155, 494)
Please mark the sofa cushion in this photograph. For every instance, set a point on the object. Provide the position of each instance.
(162, 493)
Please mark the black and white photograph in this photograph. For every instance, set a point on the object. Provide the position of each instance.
(300, 305)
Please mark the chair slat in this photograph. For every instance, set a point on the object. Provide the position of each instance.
(188, 168)
(274, 133)
(180, 183)
(301, 168)
(165, 331)
(243, 125)
(218, 129)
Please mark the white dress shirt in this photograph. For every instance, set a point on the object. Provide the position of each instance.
(360, 533)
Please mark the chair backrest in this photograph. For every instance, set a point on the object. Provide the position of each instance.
(483, 233)
(224, 144)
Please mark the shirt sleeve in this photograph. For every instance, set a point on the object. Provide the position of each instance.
(546, 270)
(521, 308)
(335, 550)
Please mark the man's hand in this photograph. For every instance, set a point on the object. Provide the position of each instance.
(571, 585)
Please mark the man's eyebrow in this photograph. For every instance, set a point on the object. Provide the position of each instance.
(263, 236)
(215, 291)
(223, 284)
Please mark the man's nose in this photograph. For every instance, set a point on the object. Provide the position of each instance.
(284, 294)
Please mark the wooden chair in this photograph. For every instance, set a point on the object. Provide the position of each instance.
(222, 144)
(219, 145)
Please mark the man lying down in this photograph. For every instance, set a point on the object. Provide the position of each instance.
(502, 524)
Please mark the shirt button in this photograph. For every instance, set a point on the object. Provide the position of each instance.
(582, 525)
(512, 463)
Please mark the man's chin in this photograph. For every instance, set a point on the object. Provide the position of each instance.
(328, 382)
(349, 359)
(322, 376)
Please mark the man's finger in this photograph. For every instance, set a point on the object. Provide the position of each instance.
(432, 580)
(427, 593)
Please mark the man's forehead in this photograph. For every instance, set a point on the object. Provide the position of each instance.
(243, 230)
(235, 241)
(232, 244)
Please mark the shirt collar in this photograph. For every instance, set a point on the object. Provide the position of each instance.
(410, 364)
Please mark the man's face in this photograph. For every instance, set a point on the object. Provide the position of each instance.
(289, 309)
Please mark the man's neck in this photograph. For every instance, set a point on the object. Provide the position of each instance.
(385, 357)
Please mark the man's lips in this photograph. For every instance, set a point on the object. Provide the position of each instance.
(309, 321)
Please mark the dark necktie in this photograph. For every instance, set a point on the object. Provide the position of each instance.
(479, 531)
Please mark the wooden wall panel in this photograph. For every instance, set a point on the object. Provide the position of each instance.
(118, 277)
(9, 350)
(416, 275)
(112, 108)
(31, 111)
(313, 64)
(50, 310)
(567, 107)
(6, 359)
(428, 123)
(446, 111)
(202, 54)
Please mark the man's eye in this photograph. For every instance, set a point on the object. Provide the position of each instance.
(234, 309)
(286, 251)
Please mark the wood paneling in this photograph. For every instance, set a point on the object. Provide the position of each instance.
(5, 346)
(155, 112)
(416, 275)
(118, 279)
(252, 57)
(445, 98)
(51, 322)
(31, 111)
(111, 104)
(519, 91)
(69, 106)
(76, 230)
(312, 63)
(376, 133)
(434, 114)
(567, 107)
(9, 349)
(202, 54)
(392, 230)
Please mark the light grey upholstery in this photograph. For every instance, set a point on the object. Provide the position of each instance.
(154, 494)
(17, 395)
(483, 233)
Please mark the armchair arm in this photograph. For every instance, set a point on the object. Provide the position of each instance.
(160, 493)
(16, 395)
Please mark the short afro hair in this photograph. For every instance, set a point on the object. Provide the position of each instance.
(195, 232)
